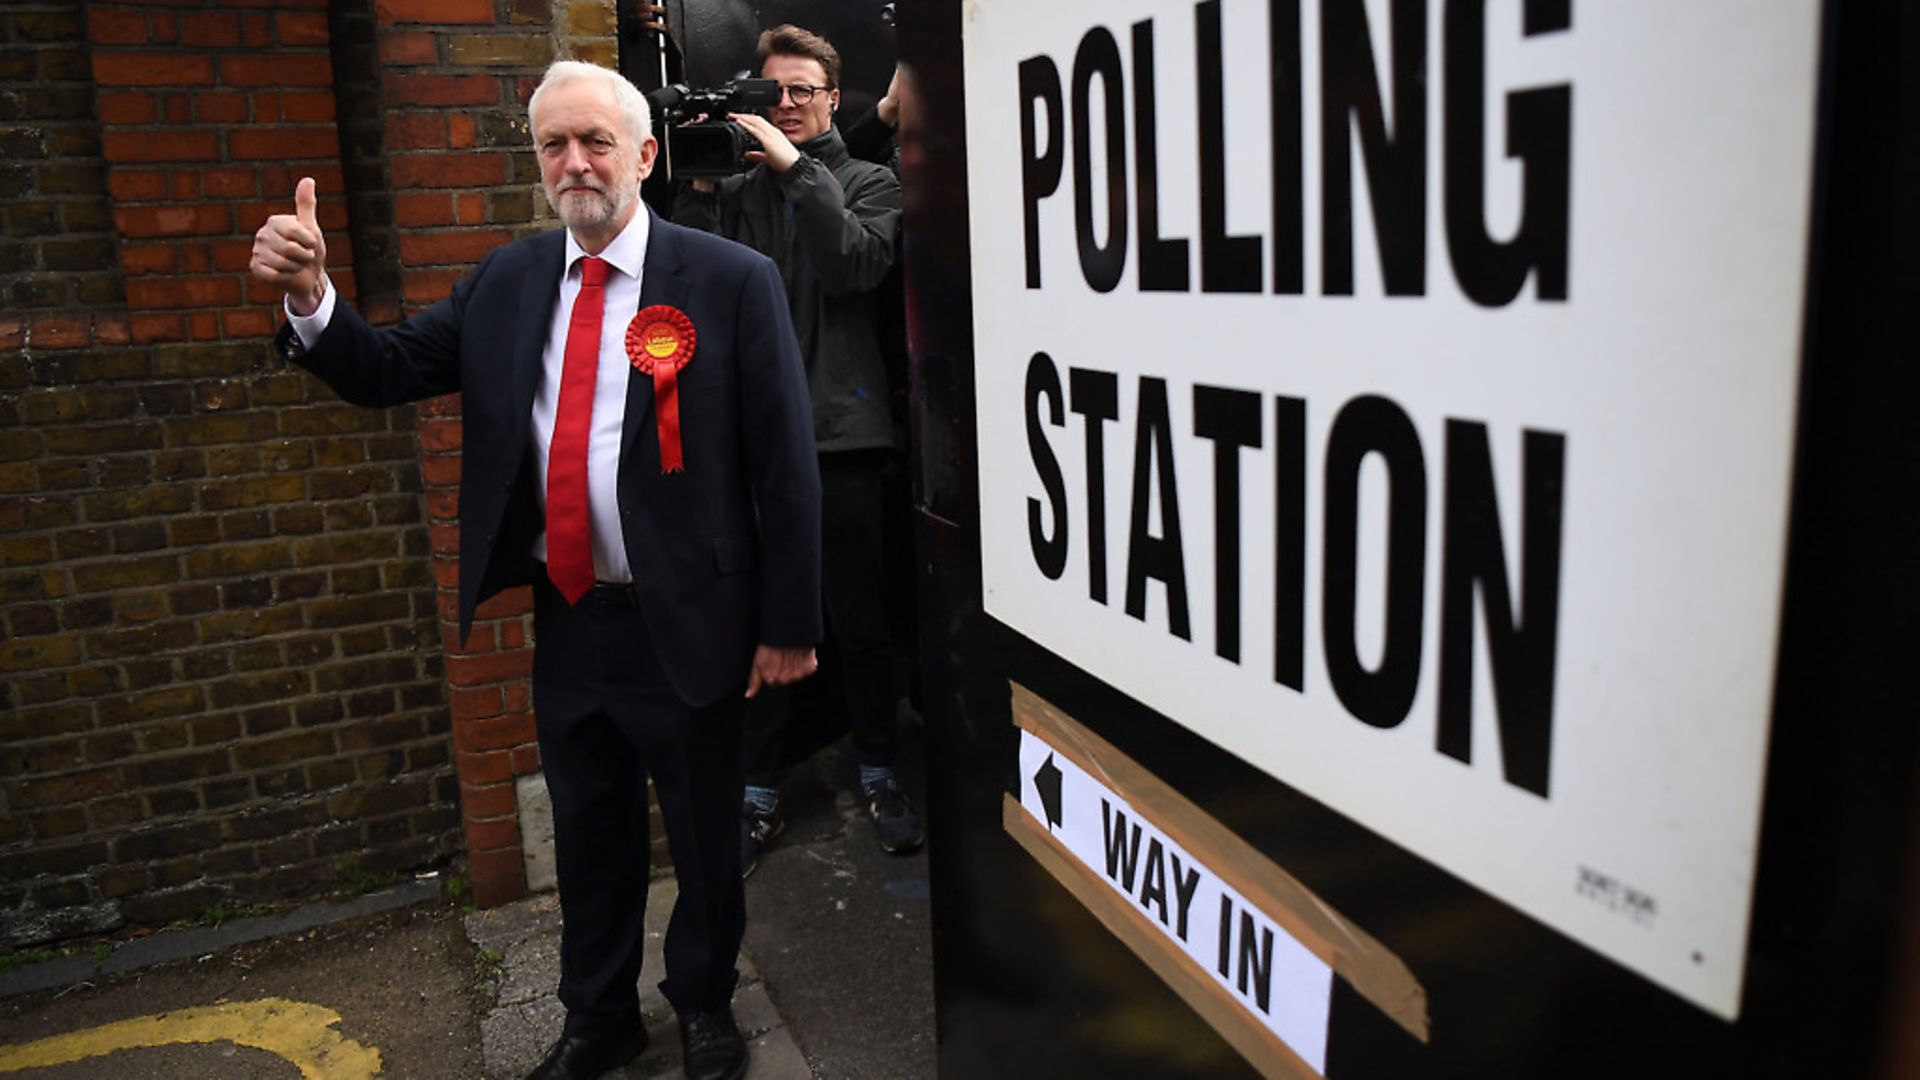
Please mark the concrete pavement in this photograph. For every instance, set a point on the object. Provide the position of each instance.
(836, 977)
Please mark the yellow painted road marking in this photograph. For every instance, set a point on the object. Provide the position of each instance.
(295, 1031)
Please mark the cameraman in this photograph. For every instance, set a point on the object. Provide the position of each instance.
(831, 224)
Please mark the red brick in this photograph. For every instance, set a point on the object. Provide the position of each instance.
(412, 209)
(526, 759)
(298, 69)
(409, 47)
(446, 574)
(448, 170)
(165, 28)
(416, 131)
(232, 255)
(440, 469)
(13, 334)
(498, 877)
(126, 108)
(209, 28)
(460, 131)
(493, 833)
(439, 435)
(185, 292)
(518, 696)
(491, 668)
(149, 258)
(448, 248)
(445, 405)
(229, 182)
(301, 28)
(488, 800)
(117, 27)
(174, 220)
(494, 733)
(423, 287)
(282, 144)
(246, 323)
(137, 185)
(220, 107)
(184, 186)
(442, 90)
(195, 259)
(434, 11)
(147, 329)
(511, 602)
(111, 330)
(259, 292)
(168, 145)
(61, 331)
(152, 69)
(203, 326)
(308, 107)
(253, 32)
(474, 704)
(470, 208)
(488, 767)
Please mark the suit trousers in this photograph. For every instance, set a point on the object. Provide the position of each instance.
(607, 720)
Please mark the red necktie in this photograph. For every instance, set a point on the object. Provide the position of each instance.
(569, 544)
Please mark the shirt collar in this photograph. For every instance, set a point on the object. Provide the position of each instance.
(628, 251)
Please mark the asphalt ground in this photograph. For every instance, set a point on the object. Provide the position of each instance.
(836, 978)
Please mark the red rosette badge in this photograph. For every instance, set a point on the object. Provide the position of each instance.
(660, 342)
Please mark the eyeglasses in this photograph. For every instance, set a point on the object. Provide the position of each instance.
(802, 94)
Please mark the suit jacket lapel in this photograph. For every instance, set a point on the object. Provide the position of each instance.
(661, 282)
(539, 291)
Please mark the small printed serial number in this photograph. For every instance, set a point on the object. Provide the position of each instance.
(1617, 896)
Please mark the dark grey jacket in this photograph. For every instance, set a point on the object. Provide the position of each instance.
(831, 224)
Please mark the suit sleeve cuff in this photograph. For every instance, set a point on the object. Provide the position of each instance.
(310, 327)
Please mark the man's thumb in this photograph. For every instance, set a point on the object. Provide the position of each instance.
(303, 203)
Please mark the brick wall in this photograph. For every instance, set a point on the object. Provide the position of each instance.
(221, 679)
(455, 76)
(228, 670)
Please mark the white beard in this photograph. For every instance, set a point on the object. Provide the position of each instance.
(589, 213)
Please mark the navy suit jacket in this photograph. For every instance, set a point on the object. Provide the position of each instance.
(725, 555)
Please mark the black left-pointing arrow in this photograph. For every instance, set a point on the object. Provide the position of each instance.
(1046, 781)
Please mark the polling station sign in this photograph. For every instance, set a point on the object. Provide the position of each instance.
(1400, 395)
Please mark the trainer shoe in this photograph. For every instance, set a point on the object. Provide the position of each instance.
(894, 821)
(757, 829)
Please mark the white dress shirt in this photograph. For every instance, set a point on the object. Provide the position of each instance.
(626, 258)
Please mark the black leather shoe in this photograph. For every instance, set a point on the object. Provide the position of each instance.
(714, 1048)
(576, 1058)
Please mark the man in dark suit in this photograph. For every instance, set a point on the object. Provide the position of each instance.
(638, 447)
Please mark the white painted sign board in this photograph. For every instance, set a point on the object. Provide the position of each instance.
(1502, 490)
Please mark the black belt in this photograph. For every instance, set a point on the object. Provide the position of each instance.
(613, 596)
(605, 593)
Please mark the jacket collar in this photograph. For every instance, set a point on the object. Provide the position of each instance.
(828, 148)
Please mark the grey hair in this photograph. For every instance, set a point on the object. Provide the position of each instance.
(632, 107)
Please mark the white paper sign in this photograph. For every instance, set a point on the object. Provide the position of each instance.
(1265, 970)
(1401, 397)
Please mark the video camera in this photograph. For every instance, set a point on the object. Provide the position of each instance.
(714, 147)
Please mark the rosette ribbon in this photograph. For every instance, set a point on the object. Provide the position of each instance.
(660, 342)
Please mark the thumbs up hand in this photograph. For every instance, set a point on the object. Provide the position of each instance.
(289, 251)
